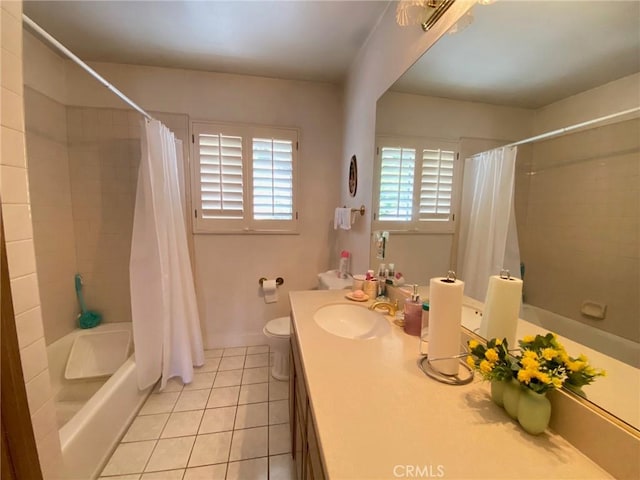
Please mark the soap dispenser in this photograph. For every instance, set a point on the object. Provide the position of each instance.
(413, 313)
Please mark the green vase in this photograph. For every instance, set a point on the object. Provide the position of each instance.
(534, 411)
(511, 397)
(497, 391)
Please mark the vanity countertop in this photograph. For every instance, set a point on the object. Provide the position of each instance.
(378, 416)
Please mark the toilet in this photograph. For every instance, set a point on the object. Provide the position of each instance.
(278, 330)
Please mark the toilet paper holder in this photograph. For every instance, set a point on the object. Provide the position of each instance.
(279, 281)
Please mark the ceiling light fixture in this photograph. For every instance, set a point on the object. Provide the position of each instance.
(421, 12)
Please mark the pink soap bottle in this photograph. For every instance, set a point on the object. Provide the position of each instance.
(413, 313)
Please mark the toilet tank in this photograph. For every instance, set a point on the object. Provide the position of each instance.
(330, 281)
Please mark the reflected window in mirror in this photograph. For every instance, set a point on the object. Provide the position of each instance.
(416, 185)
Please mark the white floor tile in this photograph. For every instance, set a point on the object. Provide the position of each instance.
(257, 349)
(252, 415)
(129, 458)
(231, 363)
(254, 393)
(211, 448)
(210, 365)
(146, 427)
(170, 453)
(278, 412)
(259, 360)
(201, 381)
(213, 353)
(135, 476)
(165, 475)
(255, 375)
(182, 424)
(173, 385)
(279, 439)
(208, 472)
(281, 467)
(278, 391)
(218, 420)
(249, 443)
(192, 400)
(232, 352)
(159, 403)
(255, 469)
(223, 397)
(228, 378)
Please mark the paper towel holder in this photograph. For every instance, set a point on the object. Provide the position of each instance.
(425, 364)
(279, 281)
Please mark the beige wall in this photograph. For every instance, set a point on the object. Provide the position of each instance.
(19, 237)
(581, 229)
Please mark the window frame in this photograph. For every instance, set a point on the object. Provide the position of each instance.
(415, 225)
(247, 224)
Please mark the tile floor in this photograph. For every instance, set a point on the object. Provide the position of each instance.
(231, 422)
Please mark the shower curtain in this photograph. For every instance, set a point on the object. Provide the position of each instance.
(488, 234)
(166, 326)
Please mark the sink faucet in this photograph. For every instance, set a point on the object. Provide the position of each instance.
(391, 308)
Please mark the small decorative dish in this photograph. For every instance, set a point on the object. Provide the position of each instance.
(362, 298)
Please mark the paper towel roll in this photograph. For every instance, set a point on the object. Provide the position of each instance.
(445, 318)
(501, 309)
(269, 288)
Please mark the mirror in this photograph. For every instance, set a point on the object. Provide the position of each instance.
(577, 196)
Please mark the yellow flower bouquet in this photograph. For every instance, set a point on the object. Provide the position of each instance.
(492, 361)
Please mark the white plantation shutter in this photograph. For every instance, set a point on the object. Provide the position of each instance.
(221, 191)
(397, 168)
(416, 184)
(244, 179)
(272, 179)
(436, 184)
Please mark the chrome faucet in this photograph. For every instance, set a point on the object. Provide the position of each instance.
(391, 308)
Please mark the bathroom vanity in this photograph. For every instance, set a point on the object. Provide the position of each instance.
(362, 409)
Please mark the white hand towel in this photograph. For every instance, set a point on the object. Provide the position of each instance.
(342, 219)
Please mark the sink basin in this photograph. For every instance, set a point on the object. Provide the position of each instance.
(351, 321)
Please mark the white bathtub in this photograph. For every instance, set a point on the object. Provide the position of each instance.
(92, 414)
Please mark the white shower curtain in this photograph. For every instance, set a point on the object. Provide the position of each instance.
(166, 326)
(488, 234)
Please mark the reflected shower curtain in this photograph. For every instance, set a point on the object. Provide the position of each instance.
(166, 325)
(488, 234)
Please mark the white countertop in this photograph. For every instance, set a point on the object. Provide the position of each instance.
(378, 415)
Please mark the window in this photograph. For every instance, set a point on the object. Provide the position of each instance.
(415, 184)
(244, 178)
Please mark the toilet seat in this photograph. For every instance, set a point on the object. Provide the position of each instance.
(278, 327)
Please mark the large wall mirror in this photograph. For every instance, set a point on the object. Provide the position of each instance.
(510, 71)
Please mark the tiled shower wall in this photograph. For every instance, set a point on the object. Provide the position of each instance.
(16, 212)
(53, 229)
(582, 226)
(82, 171)
(104, 153)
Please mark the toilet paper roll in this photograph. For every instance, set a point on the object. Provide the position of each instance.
(501, 309)
(269, 288)
(445, 318)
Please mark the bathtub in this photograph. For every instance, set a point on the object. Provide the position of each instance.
(93, 414)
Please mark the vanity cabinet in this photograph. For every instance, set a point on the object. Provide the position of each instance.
(304, 441)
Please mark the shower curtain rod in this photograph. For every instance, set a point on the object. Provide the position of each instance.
(83, 65)
(571, 128)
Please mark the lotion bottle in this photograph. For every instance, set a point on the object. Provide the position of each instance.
(413, 313)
